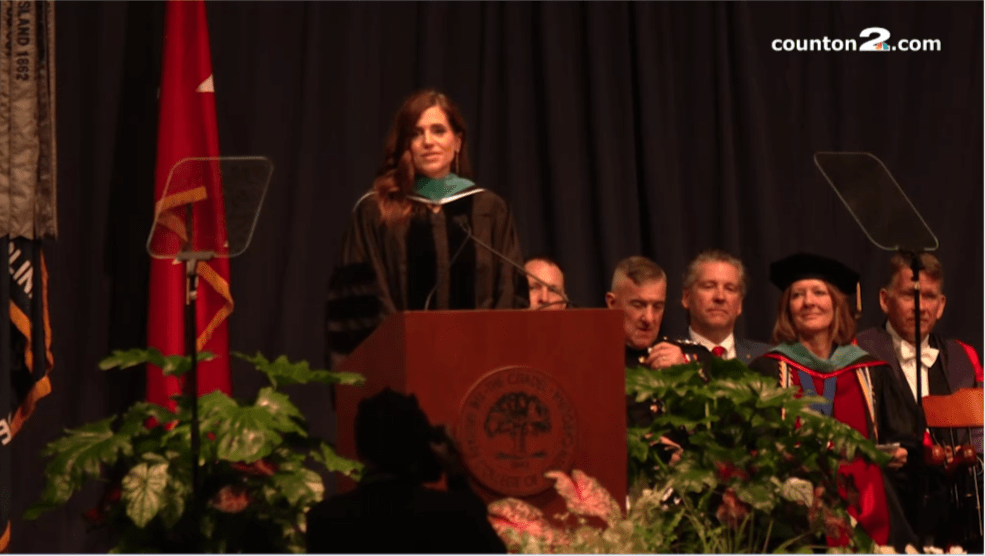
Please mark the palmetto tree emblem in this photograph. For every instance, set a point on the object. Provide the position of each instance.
(518, 414)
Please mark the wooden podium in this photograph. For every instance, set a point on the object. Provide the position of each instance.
(523, 391)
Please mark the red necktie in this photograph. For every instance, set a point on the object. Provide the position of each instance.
(718, 351)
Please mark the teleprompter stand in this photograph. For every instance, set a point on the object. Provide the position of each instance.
(208, 210)
(892, 223)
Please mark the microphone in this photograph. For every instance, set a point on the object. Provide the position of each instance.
(462, 222)
(546, 305)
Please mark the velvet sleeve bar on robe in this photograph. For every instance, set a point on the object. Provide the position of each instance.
(428, 262)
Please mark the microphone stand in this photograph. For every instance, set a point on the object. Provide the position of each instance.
(468, 230)
(427, 301)
(551, 304)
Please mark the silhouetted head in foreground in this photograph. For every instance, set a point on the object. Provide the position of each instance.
(393, 436)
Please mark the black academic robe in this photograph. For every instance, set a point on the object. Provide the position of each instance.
(948, 515)
(428, 262)
(899, 414)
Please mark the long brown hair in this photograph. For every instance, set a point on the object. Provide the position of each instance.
(841, 329)
(395, 178)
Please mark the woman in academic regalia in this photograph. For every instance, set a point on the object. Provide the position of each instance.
(814, 352)
(408, 246)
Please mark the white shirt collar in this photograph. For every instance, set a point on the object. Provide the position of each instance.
(728, 343)
(905, 353)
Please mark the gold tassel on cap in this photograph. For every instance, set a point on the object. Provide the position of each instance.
(858, 298)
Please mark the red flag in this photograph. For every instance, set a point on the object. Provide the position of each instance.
(187, 128)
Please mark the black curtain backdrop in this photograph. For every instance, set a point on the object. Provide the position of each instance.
(612, 129)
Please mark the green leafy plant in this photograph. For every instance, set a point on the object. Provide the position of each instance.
(256, 479)
(757, 472)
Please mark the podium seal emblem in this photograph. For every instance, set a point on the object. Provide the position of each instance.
(515, 424)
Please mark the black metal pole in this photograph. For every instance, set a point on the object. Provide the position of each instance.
(191, 384)
(916, 265)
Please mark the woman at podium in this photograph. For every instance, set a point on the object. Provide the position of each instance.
(814, 352)
(416, 238)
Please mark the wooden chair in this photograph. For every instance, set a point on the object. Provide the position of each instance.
(960, 410)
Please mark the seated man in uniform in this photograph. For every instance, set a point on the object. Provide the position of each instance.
(946, 366)
(714, 285)
(639, 290)
(547, 293)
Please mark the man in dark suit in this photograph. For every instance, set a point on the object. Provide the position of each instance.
(946, 366)
(714, 286)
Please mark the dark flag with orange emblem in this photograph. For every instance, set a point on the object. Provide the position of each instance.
(26, 345)
(187, 128)
(27, 214)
